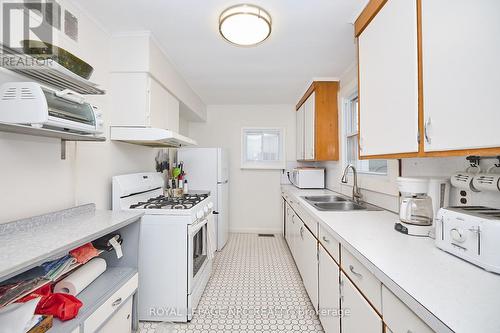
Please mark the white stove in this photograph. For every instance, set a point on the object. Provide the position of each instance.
(177, 238)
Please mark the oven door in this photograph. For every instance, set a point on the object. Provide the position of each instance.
(197, 252)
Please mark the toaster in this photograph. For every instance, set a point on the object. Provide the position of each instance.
(471, 233)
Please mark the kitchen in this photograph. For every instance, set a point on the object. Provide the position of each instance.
(197, 134)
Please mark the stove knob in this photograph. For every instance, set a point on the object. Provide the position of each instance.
(199, 214)
(210, 205)
(457, 235)
(205, 208)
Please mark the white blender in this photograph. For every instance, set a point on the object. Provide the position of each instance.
(421, 199)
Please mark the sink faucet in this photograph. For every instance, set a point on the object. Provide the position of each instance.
(356, 195)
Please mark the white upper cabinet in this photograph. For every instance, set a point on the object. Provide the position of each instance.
(309, 127)
(163, 107)
(388, 81)
(137, 99)
(461, 73)
(300, 132)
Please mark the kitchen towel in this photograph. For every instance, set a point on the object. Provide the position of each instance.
(81, 278)
(211, 237)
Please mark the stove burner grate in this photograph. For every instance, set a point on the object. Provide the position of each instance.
(163, 202)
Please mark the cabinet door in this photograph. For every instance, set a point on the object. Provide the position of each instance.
(388, 81)
(308, 263)
(360, 317)
(461, 76)
(328, 291)
(300, 132)
(309, 127)
(163, 107)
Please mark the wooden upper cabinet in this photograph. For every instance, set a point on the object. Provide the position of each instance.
(317, 123)
(428, 76)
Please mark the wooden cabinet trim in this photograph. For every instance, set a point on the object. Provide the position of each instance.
(326, 120)
(367, 15)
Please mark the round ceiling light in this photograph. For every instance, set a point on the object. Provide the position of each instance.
(245, 25)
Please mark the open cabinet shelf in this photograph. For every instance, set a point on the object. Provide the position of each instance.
(49, 133)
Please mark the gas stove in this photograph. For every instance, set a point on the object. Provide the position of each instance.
(163, 202)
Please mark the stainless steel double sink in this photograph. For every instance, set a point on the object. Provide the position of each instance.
(337, 203)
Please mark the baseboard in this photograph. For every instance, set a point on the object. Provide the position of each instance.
(256, 231)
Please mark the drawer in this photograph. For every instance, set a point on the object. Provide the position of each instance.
(120, 321)
(104, 312)
(398, 317)
(329, 243)
(369, 285)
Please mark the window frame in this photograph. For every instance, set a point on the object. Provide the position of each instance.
(279, 164)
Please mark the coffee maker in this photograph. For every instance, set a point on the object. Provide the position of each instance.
(421, 199)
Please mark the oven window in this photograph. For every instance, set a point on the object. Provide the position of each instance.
(199, 249)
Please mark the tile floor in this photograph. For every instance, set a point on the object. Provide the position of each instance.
(255, 287)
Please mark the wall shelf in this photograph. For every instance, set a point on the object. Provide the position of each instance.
(49, 133)
(49, 72)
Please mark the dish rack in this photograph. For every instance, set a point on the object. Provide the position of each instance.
(48, 72)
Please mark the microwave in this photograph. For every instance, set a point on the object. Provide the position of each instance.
(308, 177)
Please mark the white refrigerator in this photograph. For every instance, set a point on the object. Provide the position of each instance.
(208, 169)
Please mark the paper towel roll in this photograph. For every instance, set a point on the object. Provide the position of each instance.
(74, 283)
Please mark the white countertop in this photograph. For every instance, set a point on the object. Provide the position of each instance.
(448, 293)
(30, 243)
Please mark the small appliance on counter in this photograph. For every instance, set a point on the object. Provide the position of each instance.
(471, 233)
(308, 178)
(421, 199)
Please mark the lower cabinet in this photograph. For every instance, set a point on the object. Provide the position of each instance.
(121, 321)
(358, 315)
(398, 317)
(307, 261)
(329, 292)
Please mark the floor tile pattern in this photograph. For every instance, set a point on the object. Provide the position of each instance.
(255, 287)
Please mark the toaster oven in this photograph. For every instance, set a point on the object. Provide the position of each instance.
(308, 177)
(471, 233)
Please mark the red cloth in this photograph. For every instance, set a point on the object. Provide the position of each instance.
(62, 306)
(84, 253)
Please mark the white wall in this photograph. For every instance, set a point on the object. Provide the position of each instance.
(33, 178)
(254, 194)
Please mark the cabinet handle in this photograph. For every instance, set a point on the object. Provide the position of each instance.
(302, 232)
(426, 130)
(326, 239)
(117, 302)
(351, 268)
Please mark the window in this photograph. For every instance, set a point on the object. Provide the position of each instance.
(262, 148)
(351, 149)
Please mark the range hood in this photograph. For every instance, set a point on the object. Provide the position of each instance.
(150, 136)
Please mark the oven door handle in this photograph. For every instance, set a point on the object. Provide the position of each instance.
(194, 229)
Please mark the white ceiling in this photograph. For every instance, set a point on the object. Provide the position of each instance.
(310, 38)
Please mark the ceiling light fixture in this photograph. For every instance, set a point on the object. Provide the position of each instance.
(245, 25)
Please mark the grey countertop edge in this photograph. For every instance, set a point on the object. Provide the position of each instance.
(427, 316)
(129, 218)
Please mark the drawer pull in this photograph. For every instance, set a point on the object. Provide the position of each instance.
(116, 302)
(326, 239)
(351, 268)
